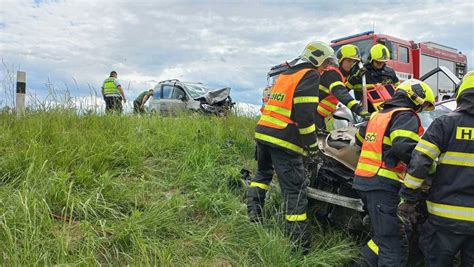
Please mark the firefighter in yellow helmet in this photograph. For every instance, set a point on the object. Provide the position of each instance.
(388, 141)
(332, 89)
(381, 80)
(447, 150)
(285, 134)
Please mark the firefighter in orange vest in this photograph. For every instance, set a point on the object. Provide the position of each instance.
(388, 141)
(449, 228)
(285, 134)
(381, 80)
(332, 87)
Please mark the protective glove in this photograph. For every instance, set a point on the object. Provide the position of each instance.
(406, 211)
(357, 72)
(365, 115)
(313, 150)
(361, 112)
(432, 169)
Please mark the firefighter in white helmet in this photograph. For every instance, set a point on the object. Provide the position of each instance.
(285, 134)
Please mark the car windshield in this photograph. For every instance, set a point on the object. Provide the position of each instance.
(197, 90)
(427, 117)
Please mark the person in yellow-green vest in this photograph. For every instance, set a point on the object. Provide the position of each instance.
(446, 151)
(113, 94)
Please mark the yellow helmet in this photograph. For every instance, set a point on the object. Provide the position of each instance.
(379, 52)
(348, 51)
(317, 52)
(419, 92)
(467, 84)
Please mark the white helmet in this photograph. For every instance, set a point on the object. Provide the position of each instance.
(317, 52)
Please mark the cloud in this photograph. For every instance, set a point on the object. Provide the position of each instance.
(219, 43)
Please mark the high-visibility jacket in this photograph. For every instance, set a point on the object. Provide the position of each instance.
(109, 87)
(383, 76)
(287, 120)
(376, 81)
(327, 105)
(277, 112)
(449, 141)
(371, 162)
(332, 90)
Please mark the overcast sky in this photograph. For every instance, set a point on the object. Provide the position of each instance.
(221, 43)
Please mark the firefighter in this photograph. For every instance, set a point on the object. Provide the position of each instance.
(381, 80)
(285, 134)
(113, 94)
(449, 228)
(387, 141)
(332, 88)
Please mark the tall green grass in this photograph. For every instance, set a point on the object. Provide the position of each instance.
(128, 190)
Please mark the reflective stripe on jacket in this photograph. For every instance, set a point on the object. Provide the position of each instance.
(447, 149)
(277, 112)
(110, 87)
(370, 160)
(327, 105)
(287, 120)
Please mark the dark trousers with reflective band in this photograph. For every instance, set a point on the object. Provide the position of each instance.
(389, 238)
(440, 246)
(291, 176)
(113, 103)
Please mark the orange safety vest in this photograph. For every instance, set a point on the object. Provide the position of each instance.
(370, 160)
(327, 106)
(277, 111)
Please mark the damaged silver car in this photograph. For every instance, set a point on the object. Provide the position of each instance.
(173, 96)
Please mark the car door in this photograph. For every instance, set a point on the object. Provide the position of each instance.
(172, 99)
(178, 99)
(443, 107)
(154, 102)
(166, 92)
(448, 77)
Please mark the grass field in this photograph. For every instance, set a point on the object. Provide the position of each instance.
(90, 190)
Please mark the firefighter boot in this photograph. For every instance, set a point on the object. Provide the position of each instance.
(299, 234)
(255, 202)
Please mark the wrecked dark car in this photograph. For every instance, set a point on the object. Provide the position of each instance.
(173, 96)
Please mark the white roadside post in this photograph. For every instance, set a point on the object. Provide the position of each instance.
(20, 92)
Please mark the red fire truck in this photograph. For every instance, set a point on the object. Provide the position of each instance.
(412, 60)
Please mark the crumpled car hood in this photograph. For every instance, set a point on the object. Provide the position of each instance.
(216, 96)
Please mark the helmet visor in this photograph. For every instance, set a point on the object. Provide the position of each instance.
(428, 106)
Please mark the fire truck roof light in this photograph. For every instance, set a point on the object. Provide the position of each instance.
(352, 36)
